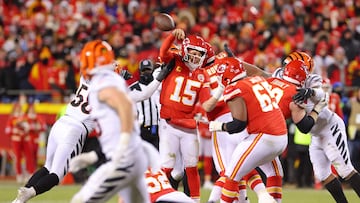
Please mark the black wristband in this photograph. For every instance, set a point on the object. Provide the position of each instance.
(315, 111)
(223, 127)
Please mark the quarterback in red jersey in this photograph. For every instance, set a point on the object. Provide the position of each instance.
(253, 107)
(186, 85)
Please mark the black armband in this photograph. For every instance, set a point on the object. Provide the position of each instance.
(235, 126)
(315, 111)
(305, 124)
(101, 156)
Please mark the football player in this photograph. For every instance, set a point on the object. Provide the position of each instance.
(252, 106)
(158, 185)
(66, 140)
(273, 172)
(180, 91)
(223, 145)
(329, 143)
(115, 114)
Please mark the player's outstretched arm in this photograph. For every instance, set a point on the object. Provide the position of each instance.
(160, 74)
(251, 70)
(305, 121)
(210, 104)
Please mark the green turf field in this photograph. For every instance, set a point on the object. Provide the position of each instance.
(62, 194)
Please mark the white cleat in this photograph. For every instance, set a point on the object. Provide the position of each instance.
(24, 194)
(266, 198)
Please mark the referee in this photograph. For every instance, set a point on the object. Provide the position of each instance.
(147, 109)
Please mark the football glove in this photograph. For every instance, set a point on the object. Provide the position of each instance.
(302, 95)
(165, 70)
(125, 74)
(215, 126)
(83, 160)
(321, 104)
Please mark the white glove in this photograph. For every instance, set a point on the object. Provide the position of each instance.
(121, 148)
(82, 160)
(219, 90)
(322, 103)
(215, 126)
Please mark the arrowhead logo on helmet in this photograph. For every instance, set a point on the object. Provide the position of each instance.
(230, 69)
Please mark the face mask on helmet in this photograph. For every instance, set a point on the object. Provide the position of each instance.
(194, 52)
(194, 59)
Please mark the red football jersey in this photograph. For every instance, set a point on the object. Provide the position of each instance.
(181, 90)
(283, 92)
(263, 112)
(158, 184)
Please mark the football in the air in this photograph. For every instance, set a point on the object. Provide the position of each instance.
(164, 22)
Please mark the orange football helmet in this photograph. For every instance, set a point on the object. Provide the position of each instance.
(229, 69)
(95, 53)
(300, 55)
(295, 72)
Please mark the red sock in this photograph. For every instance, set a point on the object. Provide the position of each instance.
(229, 193)
(274, 186)
(242, 189)
(167, 171)
(253, 179)
(220, 181)
(193, 178)
(208, 165)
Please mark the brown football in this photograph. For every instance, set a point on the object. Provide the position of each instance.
(164, 22)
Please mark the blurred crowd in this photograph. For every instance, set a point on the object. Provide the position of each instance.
(40, 40)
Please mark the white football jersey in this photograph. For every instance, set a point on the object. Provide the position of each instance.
(107, 119)
(79, 108)
(315, 81)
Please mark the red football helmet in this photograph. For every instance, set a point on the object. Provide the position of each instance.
(210, 54)
(295, 72)
(300, 55)
(229, 69)
(189, 45)
(95, 53)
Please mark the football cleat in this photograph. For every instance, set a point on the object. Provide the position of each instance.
(24, 194)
